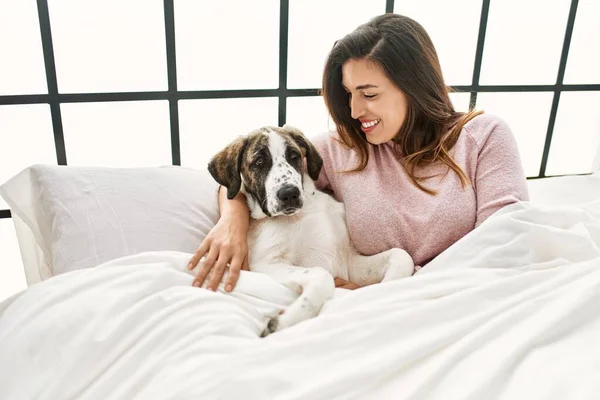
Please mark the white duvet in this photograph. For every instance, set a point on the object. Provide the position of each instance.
(512, 311)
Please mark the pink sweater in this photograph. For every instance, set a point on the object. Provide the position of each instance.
(385, 210)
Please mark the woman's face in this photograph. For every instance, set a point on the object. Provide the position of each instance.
(374, 100)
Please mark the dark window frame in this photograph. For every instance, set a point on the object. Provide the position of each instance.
(173, 95)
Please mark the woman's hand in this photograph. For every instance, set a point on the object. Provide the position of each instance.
(342, 284)
(226, 244)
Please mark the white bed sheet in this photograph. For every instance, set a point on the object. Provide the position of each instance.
(510, 311)
(569, 190)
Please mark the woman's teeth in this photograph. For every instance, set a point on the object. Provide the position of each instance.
(370, 123)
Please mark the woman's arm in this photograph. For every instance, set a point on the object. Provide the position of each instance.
(321, 143)
(499, 179)
(226, 243)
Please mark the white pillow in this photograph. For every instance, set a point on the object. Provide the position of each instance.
(68, 218)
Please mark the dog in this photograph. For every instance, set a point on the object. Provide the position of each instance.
(297, 234)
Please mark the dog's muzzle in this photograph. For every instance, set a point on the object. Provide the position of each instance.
(289, 198)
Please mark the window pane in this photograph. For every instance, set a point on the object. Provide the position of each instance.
(527, 116)
(460, 101)
(314, 26)
(26, 138)
(109, 45)
(12, 273)
(22, 67)
(521, 46)
(206, 126)
(220, 47)
(576, 140)
(583, 63)
(117, 134)
(455, 39)
(309, 114)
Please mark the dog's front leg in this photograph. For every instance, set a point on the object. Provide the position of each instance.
(400, 265)
(314, 285)
(386, 266)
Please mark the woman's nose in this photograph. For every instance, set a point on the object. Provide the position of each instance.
(356, 107)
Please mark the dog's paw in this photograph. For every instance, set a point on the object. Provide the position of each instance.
(272, 326)
(400, 265)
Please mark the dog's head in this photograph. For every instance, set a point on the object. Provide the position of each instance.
(267, 165)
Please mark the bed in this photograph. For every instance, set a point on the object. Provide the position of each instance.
(508, 312)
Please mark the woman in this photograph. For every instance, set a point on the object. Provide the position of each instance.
(411, 172)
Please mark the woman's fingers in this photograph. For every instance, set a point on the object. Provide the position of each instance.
(233, 275)
(214, 265)
(245, 265)
(218, 271)
(339, 282)
(350, 286)
(206, 267)
(200, 252)
(343, 284)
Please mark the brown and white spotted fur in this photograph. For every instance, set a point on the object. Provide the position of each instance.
(297, 234)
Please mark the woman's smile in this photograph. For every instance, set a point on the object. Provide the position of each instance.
(369, 125)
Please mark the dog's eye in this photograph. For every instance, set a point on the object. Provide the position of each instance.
(294, 156)
(258, 161)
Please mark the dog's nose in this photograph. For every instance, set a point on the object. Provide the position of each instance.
(288, 195)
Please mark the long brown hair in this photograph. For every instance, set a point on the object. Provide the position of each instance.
(404, 50)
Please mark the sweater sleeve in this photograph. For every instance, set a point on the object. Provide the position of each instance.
(499, 178)
(320, 142)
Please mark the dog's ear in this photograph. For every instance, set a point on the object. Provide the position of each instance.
(314, 162)
(225, 166)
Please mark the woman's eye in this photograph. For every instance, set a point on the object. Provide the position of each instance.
(370, 96)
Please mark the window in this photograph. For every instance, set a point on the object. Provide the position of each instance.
(91, 57)
(117, 134)
(576, 137)
(521, 48)
(526, 113)
(218, 49)
(22, 66)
